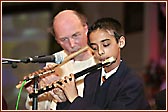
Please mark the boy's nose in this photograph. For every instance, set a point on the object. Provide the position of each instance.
(101, 51)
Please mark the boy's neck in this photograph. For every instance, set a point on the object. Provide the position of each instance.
(112, 66)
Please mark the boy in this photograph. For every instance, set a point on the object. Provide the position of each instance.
(122, 89)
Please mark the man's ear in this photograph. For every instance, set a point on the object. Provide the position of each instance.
(121, 42)
(86, 28)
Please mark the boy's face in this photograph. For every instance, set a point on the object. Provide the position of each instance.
(104, 45)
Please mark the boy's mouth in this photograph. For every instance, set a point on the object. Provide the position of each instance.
(103, 59)
(109, 60)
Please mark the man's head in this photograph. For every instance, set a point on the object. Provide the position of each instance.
(70, 29)
(105, 38)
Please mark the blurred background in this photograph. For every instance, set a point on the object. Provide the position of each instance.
(25, 33)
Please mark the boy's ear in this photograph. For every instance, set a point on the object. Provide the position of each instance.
(121, 42)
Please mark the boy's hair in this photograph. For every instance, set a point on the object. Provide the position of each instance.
(108, 24)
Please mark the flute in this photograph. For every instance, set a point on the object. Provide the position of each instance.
(29, 79)
(86, 71)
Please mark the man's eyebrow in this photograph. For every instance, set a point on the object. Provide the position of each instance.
(63, 37)
(76, 33)
(71, 35)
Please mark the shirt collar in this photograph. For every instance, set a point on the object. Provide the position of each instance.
(107, 75)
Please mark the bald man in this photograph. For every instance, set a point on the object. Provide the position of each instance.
(70, 29)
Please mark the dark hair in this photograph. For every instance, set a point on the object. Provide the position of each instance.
(107, 24)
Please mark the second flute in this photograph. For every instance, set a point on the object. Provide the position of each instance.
(81, 73)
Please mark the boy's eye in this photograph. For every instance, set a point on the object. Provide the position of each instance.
(94, 47)
(106, 44)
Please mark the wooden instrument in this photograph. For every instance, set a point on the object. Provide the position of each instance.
(86, 71)
(66, 59)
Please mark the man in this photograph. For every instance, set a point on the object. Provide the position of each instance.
(70, 29)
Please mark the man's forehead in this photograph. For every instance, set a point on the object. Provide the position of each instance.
(70, 34)
(65, 12)
(66, 16)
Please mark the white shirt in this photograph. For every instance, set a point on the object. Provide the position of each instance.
(107, 75)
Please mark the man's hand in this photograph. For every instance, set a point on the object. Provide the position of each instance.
(58, 95)
(43, 81)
